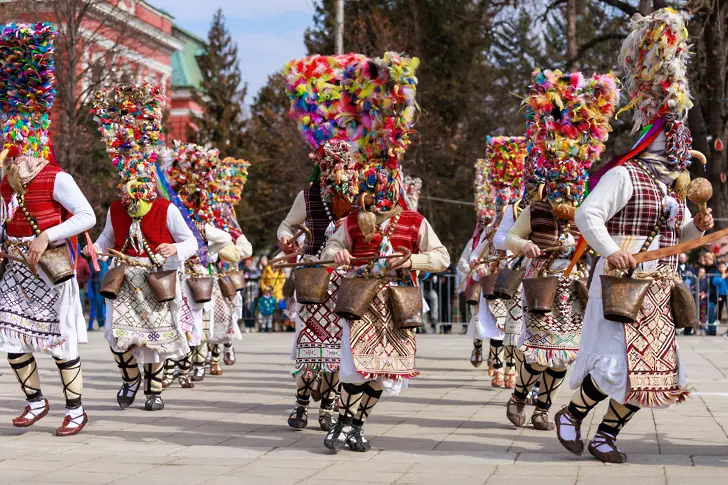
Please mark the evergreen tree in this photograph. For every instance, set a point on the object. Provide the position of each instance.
(222, 93)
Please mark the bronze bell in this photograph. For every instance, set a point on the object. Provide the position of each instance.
(540, 294)
(622, 297)
(487, 285)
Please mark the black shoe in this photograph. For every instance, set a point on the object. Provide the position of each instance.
(154, 403)
(336, 439)
(327, 416)
(356, 441)
(299, 417)
(126, 396)
(198, 372)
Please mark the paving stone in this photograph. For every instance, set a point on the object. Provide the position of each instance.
(448, 428)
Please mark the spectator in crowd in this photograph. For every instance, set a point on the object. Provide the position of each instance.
(686, 270)
(720, 287)
(275, 278)
(709, 263)
(83, 272)
(250, 293)
(266, 308)
(708, 299)
(97, 304)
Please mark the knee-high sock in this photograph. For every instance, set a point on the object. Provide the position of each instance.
(528, 375)
(510, 352)
(372, 393)
(351, 395)
(585, 398)
(127, 366)
(185, 363)
(617, 417)
(26, 371)
(72, 381)
(153, 379)
(496, 350)
(329, 387)
(200, 354)
(304, 386)
(169, 366)
(551, 380)
(216, 353)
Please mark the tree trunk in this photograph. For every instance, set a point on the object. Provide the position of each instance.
(645, 7)
(715, 110)
(571, 48)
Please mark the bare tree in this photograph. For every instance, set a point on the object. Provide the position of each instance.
(571, 49)
(87, 50)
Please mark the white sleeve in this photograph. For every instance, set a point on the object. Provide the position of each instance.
(106, 239)
(433, 256)
(217, 239)
(464, 261)
(339, 240)
(297, 215)
(482, 246)
(246, 249)
(499, 240)
(519, 232)
(181, 233)
(609, 197)
(67, 193)
(688, 230)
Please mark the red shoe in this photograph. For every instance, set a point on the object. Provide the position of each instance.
(64, 430)
(27, 419)
(511, 381)
(215, 369)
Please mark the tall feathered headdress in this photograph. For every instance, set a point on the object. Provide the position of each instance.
(654, 58)
(313, 85)
(130, 122)
(27, 88)
(412, 188)
(484, 192)
(378, 111)
(192, 174)
(507, 157)
(569, 125)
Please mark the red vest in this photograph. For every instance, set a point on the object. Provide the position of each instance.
(406, 234)
(39, 202)
(154, 226)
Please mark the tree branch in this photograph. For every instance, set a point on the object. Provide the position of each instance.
(623, 6)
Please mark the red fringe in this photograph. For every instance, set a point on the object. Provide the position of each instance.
(372, 375)
(657, 399)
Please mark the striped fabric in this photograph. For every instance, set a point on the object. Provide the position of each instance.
(639, 216)
(544, 228)
(317, 221)
(39, 202)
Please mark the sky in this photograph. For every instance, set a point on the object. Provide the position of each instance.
(268, 32)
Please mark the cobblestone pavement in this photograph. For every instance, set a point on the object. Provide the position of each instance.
(449, 427)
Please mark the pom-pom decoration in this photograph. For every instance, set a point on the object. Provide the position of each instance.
(313, 85)
(194, 173)
(484, 192)
(339, 172)
(568, 123)
(412, 187)
(233, 174)
(654, 59)
(378, 111)
(130, 122)
(507, 158)
(27, 87)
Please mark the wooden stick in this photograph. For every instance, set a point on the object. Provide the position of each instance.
(679, 248)
(331, 261)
